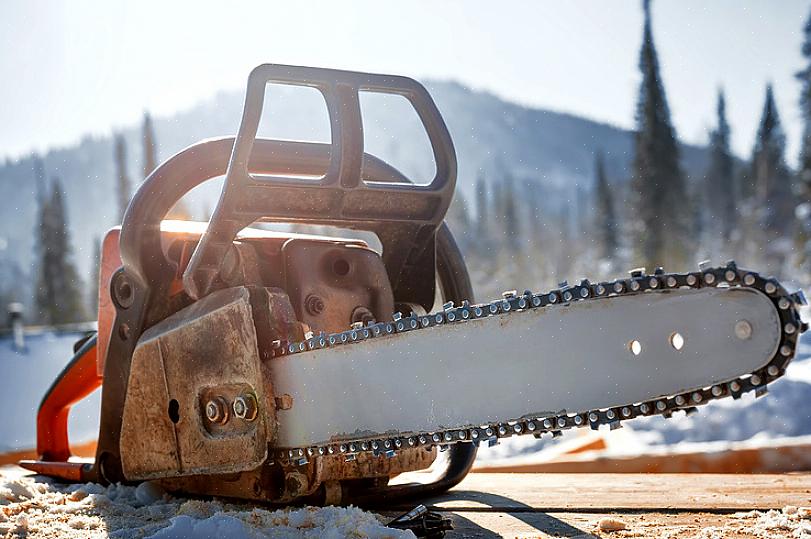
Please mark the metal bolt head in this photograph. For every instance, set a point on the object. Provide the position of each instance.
(749, 279)
(671, 281)
(743, 330)
(770, 288)
(245, 407)
(217, 410)
(314, 305)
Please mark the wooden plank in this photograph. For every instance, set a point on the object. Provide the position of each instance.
(611, 492)
(789, 457)
(586, 525)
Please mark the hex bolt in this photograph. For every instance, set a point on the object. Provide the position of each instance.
(217, 410)
(314, 305)
(245, 407)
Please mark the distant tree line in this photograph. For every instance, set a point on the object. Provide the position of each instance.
(62, 297)
(758, 210)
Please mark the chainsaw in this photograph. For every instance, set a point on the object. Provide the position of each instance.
(293, 368)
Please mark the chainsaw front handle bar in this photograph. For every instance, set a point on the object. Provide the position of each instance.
(341, 196)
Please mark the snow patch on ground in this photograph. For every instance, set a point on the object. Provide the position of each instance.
(39, 507)
(790, 522)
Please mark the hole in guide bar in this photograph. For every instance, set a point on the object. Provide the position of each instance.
(635, 347)
(677, 340)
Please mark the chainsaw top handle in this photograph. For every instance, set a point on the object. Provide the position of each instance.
(405, 215)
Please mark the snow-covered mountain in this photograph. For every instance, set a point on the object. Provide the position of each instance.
(554, 150)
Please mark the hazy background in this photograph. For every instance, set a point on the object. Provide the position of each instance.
(73, 68)
(545, 101)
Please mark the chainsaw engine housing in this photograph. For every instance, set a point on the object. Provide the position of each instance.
(199, 382)
(190, 314)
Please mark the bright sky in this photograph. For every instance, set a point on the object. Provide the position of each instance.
(79, 67)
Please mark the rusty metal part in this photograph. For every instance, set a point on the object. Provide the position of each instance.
(245, 407)
(204, 352)
(406, 219)
(336, 279)
(326, 480)
(217, 410)
(363, 316)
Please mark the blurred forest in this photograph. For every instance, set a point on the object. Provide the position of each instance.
(542, 197)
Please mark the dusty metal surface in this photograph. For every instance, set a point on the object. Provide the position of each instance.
(205, 351)
(328, 283)
(421, 382)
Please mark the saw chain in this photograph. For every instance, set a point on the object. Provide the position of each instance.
(512, 302)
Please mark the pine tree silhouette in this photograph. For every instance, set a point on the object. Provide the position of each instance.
(605, 221)
(661, 207)
(123, 185)
(771, 178)
(509, 213)
(150, 159)
(482, 207)
(150, 148)
(803, 238)
(720, 186)
(804, 76)
(59, 298)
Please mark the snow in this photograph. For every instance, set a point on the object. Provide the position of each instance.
(790, 522)
(42, 508)
(25, 376)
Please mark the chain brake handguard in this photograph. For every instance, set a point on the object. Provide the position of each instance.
(404, 216)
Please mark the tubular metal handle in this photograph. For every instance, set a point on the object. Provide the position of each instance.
(340, 197)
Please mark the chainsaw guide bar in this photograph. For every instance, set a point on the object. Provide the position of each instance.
(724, 281)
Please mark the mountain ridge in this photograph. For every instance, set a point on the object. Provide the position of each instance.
(492, 136)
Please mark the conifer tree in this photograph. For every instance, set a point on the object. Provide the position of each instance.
(803, 238)
(605, 215)
(771, 177)
(123, 186)
(720, 187)
(661, 208)
(40, 179)
(59, 290)
(482, 207)
(804, 76)
(93, 285)
(150, 160)
(150, 147)
(459, 219)
(509, 213)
